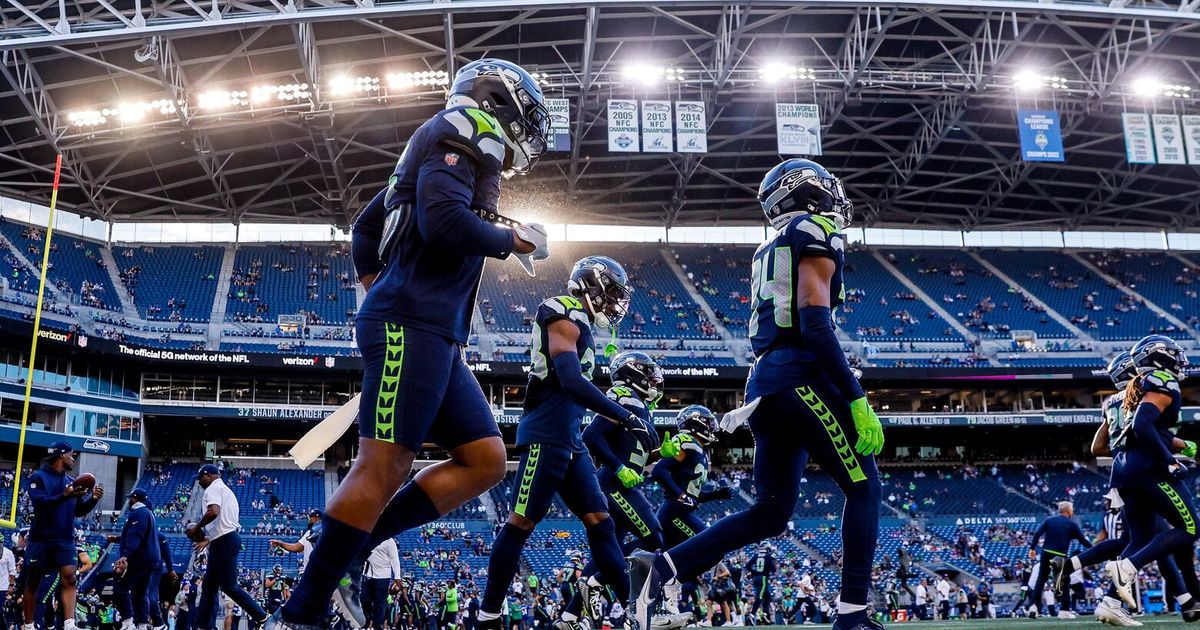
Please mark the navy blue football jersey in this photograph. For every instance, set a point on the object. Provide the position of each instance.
(1141, 462)
(762, 564)
(626, 447)
(1116, 419)
(551, 416)
(692, 473)
(427, 221)
(775, 333)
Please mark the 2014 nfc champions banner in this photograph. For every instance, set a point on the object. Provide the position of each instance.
(559, 138)
(691, 127)
(1041, 136)
(798, 128)
(656, 127)
(623, 129)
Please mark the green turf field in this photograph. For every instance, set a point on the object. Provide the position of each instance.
(1084, 621)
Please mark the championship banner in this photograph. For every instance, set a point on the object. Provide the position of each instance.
(691, 127)
(1168, 139)
(1041, 136)
(559, 138)
(656, 127)
(623, 129)
(798, 128)
(1139, 143)
(1191, 138)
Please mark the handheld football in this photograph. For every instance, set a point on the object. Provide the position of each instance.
(85, 480)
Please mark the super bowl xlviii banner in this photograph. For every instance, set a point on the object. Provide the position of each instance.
(1168, 139)
(691, 127)
(560, 124)
(1041, 136)
(1139, 141)
(798, 128)
(623, 129)
(656, 126)
(1191, 138)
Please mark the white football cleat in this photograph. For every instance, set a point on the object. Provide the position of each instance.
(1107, 612)
(1124, 575)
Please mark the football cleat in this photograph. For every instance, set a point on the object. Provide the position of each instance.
(645, 588)
(1123, 575)
(671, 622)
(563, 624)
(276, 622)
(672, 590)
(347, 599)
(1190, 611)
(1062, 577)
(593, 598)
(1110, 613)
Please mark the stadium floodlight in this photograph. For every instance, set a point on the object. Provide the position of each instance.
(1146, 87)
(775, 72)
(1175, 90)
(222, 99)
(340, 85)
(88, 118)
(1027, 81)
(643, 73)
(407, 80)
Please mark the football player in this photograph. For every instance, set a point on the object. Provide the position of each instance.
(1150, 480)
(418, 249)
(682, 478)
(802, 397)
(637, 386)
(554, 460)
(762, 568)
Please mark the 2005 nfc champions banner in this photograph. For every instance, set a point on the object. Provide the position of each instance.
(623, 130)
(798, 128)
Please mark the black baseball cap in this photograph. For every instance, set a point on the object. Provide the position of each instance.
(57, 449)
(315, 513)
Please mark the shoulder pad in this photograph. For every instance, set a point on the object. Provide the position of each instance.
(691, 445)
(1161, 381)
(473, 131)
(815, 235)
(626, 398)
(564, 306)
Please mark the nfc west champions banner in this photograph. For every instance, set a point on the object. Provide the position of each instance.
(798, 128)
(560, 124)
(1139, 143)
(1168, 139)
(1041, 136)
(1191, 138)
(623, 130)
(656, 126)
(691, 127)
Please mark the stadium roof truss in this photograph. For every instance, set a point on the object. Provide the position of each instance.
(917, 102)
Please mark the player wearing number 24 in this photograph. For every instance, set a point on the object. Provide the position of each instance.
(802, 397)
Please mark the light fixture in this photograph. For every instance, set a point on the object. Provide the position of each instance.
(407, 80)
(1029, 81)
(1174, 90)
(775, 72)
(1146, 87)
(223, 99)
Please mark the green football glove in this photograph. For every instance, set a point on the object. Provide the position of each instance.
(1189, 449)
(870, 431)
(670, 446)
(628, 478)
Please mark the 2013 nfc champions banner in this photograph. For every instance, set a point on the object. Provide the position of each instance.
(691, 127)
(1041, 136)
(560, 124)
(798, 128)
(656, 127)
(623, 129)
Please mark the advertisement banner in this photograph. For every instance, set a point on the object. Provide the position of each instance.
(1191, 138)
(691, 127)
(798, 128)
(1168, 139)
(657, 127)
(1139, 143)
(559, 138)
(623, 129)
(1041, 136)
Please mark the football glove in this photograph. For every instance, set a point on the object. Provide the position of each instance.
(866, 423)
(1189, 449)
(1178, 471)
(686, 500)
(628, 478)
(534, 234)
(640, 432)
(670, 446)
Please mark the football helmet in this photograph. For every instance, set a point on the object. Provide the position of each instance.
(799, 186)
(506, 91)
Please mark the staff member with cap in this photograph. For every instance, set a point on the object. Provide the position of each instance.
(140, 557)
(51, 542)
(219, 527)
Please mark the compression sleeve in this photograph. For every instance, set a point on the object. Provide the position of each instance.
(581, 390)
(445, 192)
(662, 474)
(365, 237)
(1143, 427)
(816, 325)
(595, 437)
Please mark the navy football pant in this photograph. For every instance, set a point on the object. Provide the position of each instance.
(133, 594)
(1143, 504)
(788, 427)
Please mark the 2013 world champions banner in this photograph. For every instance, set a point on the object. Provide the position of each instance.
(798, 128)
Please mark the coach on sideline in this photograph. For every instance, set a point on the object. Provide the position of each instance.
(219, 527)
(138, 562)
(51, 542)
